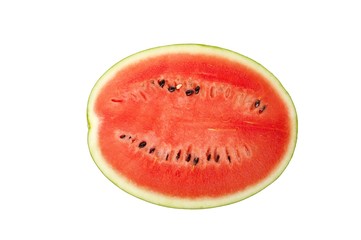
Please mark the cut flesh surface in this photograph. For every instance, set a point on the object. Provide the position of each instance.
(190, 126)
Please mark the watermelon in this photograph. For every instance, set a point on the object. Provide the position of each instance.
(190, 126)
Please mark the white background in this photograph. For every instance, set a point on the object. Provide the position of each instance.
(51, 55)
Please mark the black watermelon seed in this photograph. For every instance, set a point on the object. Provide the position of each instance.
(122, 136)
(151, 150)
(167, 157)
(161, 83)
(196, 90)
(209, 157)
(188, 157)
(171, 89)
(142, 144)
(217, 158)
(195, 161)
(178, 155)
(229, 158)
(262, 109)
(257, 103)
(189, 92)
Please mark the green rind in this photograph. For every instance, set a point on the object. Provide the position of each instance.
(286, 160)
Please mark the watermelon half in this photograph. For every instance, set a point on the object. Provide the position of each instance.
(190, 126)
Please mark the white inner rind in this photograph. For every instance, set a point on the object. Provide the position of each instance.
(176, 202)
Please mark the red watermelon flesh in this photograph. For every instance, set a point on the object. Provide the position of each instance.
(191, 126)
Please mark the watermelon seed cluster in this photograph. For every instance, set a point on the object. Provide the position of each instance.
(188, 92)
(188, 158)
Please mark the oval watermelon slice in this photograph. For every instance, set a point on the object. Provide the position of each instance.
(190, 126)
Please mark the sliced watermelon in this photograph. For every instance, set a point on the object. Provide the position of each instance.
(190, 126)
